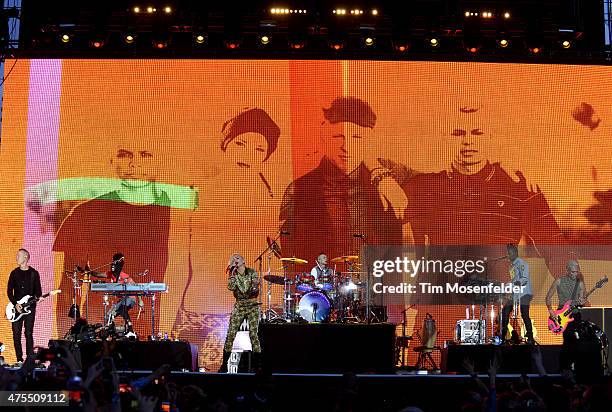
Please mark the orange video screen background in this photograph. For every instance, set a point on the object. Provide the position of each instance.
(263, 146)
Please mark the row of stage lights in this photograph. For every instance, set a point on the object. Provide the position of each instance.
(366, 41)
(336, 45)
(150, 10)
(485, 14)
(338, 12)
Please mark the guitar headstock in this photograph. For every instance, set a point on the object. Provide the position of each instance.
(601, 282)
(55, 292)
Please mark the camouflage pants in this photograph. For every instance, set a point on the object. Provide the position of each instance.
(241, 311)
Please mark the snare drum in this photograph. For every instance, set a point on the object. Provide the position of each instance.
(326, 282)
(304, 282)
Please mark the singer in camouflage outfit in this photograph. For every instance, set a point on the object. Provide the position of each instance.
(244, 283)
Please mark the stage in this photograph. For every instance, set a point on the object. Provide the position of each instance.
(320, 348)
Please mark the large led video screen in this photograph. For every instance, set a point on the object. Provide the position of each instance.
(177, 164)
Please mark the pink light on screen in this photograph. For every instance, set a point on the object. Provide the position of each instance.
(41, 166)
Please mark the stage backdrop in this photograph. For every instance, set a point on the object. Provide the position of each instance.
(179, 163)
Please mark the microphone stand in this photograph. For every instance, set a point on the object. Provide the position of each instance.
(260, 259)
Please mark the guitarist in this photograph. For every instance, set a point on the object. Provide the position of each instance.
(23, 280)
(519, 273)
(569, 288)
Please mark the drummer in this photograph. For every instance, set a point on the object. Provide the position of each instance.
(321, 273)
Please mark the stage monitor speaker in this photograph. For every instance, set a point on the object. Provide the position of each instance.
(595, 315)
(328, 347)
(602, 317)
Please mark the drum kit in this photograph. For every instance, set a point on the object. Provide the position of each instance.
(334, 297)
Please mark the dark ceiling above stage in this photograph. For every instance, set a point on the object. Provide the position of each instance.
(397, 27)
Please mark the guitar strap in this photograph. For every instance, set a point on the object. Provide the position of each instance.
(575, 290)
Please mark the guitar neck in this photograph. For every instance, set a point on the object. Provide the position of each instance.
(590, 291)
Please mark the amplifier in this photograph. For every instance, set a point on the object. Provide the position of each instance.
(467, 331)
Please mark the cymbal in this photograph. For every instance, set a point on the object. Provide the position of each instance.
(347, 258)
(277, 280)
(293, 260)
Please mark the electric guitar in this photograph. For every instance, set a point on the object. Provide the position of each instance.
(11, 312)
(558, 323)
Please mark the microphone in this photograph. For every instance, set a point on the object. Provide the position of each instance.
(283, 233)
(359, 235)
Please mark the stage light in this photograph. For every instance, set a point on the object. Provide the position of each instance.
(97, 44)
(297, 44)
(374, 12)
(535, 50)
(232, 44)
(167, 9)
(566, 44)
(136, 9)
(265, 39)
(129, 38)
(473, 50)
(401, 47)
(336, 45)
(160, 44)
(467, 14)
(434, 42)
(199, 38)
(368, 41)
(65, 38)
(339, 12)
(506, 15)
(150, 9)
(503, 43)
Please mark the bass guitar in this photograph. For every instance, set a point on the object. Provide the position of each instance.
(26, 302)
(558, 323)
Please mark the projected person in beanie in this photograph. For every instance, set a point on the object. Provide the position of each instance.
(340, 198)
(249, 139)
(246, 198)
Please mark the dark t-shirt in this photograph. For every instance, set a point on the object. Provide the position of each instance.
(323, 209)
(22, 283)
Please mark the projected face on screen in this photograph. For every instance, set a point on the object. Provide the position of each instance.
(469, 141)
(133, 163)
(249, 138)
(248, 150)
(347, 144)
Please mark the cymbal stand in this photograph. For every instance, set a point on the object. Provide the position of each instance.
(260, 259)
(270, 314)
(75, 288)
(287, 316)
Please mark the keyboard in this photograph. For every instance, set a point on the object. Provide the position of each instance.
(129, 288)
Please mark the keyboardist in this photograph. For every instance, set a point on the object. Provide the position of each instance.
(122, 307)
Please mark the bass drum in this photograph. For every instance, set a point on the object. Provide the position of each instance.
(314, 307)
